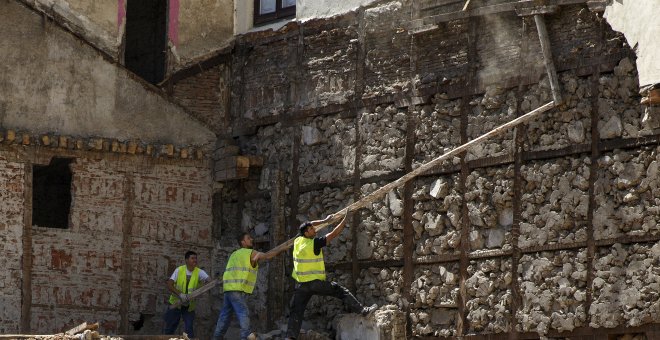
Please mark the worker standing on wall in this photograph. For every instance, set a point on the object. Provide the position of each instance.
(238, 281)
(309, 273)
(184, 281)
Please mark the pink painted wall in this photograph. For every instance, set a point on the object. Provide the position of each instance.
(173, 23)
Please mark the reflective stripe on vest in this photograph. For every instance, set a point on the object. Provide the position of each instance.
(307, 266)
(240, 276)
(183, 286)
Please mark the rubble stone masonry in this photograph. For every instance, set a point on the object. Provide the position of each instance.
(548, 229)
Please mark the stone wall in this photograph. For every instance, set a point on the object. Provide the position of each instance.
(536, 230)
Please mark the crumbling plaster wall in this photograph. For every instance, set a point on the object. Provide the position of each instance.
(51, 82)
(530, 232)
(197, 28)
(132, 219)
(100, 22)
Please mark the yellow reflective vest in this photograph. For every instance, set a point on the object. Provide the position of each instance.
(183, 286)
(307, 266)
(240, 276)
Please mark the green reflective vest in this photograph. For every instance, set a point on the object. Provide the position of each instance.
(184, 286)
(240, 276)
(307, 266)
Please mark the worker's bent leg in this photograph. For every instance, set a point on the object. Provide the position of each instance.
(171, 318)
(336, 290)
(223, 319)
(242, 312)
(301, 297)
(188, 319)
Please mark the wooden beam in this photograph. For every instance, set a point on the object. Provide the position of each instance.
(546, 48)
(26, 284)
(484, 10)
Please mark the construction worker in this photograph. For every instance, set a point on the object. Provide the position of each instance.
(183, 281)
(309, 273)
(238, 281)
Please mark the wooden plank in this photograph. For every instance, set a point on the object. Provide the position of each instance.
(546, 48)
(127, 252)
(276, 275)
(26, 284)
(593, 177)
(484, 10)
(198, 292)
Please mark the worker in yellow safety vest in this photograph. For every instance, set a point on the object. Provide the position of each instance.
(238, 281)
(184, 281)
(309, 273)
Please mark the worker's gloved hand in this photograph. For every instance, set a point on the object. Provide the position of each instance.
(184, 298)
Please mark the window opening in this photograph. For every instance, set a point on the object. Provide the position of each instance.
(51, 194)
(145, 52)
(271, 10)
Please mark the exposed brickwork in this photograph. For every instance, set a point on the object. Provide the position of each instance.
(267, 79)
(11, 232)
(442, 54)
(77, 272)
(206, 95)
(387, 43)
(329, 62)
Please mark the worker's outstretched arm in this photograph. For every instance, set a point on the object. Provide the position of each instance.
(258, 256)
(337, 230)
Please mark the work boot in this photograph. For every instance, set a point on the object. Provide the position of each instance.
(252, 336)
(368, 310)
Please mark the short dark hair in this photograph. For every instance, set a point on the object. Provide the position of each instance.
(190, 253)
(240, 237)
(303, 227)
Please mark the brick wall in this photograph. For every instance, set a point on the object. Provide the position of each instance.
(206, 96)
(11, 238)
(131, 222)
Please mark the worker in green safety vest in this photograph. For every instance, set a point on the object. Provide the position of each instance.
(238, 281)
(309, 273)
(184, 281)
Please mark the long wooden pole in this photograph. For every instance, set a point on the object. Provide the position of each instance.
(372, 197)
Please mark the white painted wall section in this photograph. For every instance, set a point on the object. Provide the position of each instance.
(639, 21)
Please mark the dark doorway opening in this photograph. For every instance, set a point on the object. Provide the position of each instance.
(145, 52)
(51, 194)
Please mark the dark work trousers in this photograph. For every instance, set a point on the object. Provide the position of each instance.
(172, 317)
(304, 291)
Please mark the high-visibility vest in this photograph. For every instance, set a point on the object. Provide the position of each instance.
(307, 266)
(184, 286)
(240, 276)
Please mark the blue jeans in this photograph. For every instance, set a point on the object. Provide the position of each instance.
(233, 301)
(172, 317)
